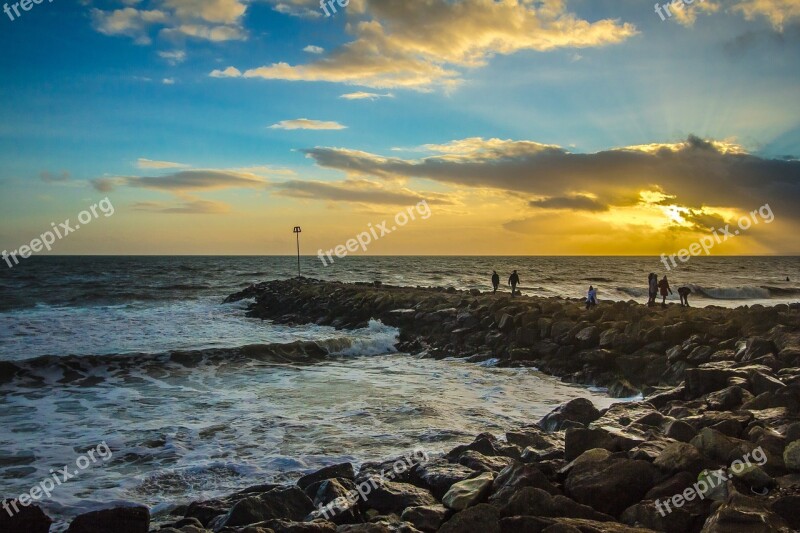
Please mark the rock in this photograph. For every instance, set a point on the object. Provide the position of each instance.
(579, 410)
(482, 463)
(718, 446)
(727, 399)
(427, 518)
(742, 513)
(439, 476)
(29, 519)
(482, 517)
(679, 456)
(647, 514)
(516, 476)
(787, 507)
(612, 485)
(588, 337)
(281, 503)
(468, 492)
(579, 440)
(344, 470)
(754, 347)
(753, 476)
(536, 502)
(117, 520)
(288, 526)
(791, 456)
(394, 497)
(680, 431)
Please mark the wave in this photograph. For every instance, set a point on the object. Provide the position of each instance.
(746, 292)
(82, 370)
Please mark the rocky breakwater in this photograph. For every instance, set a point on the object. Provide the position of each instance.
(717, 452)
(625, 346)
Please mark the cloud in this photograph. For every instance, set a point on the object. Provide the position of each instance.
(168, 81)
(360, 191)
(298, 8)
(149, 163)
(689, 173)
(194, 207)
(423, 45)
(576, 202)
(777, 12)
(212, 20)
(361, 95)
(173, 57)
(307, 124)
(311, 49)
(49, 177)
(229, 72)
(187, 180)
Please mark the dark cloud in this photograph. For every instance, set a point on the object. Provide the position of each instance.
(188, 180)
(577, 203)
(696, 172)
(361, 191)
(49, 177)
(195, 207)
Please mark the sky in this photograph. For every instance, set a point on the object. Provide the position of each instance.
(527, 127)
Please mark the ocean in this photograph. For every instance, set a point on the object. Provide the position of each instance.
(92, 338)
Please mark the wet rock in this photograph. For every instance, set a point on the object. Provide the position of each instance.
(612, 485)
(117, 520)
(29, 519)
(282, 503)
(579, 410)
(482, 517)
(742, 513)
(344, 470)
(679, 456)
(579, 440)
(468, 492)
(536, 502)
(787, 507)
(427, 518)
(393, 497)
(440, 475)
(647, 514)
(680, 431)
(478, 461)
(515, 477)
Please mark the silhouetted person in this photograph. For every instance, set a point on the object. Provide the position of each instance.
(663, 285)
(495, 280)
(513, 280)
(591, 297)
(684, 293)
(652, 286)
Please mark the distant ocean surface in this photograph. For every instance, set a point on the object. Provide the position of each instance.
(91, 337)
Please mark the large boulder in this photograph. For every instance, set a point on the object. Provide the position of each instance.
(117, 520)
(536, 502)
(468, 492)
(579, 410)
(29, 519)
(742, 513)
(280, 503)
(483, 518)
(612, 485)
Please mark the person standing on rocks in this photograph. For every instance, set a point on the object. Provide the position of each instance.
(665, 290)
(652, 282)
(513, 280)
(495, 280)
(591, 297)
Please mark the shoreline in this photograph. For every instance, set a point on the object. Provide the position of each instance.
(718, 384)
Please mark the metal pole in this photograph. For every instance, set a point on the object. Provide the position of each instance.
(297, 232)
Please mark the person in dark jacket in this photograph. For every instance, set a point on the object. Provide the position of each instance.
(663, 285)
(684, 293)
(495, 280)
(513, 280)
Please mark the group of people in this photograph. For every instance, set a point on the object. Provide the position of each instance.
(656, 287)
(513, 281)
